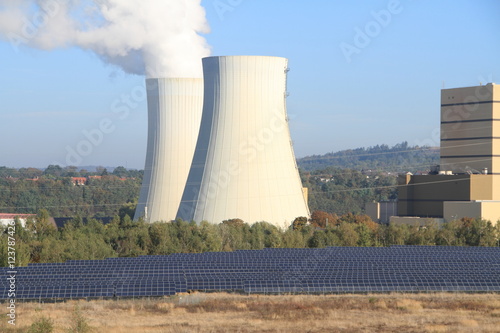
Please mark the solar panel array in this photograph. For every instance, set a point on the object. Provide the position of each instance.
(328, 270)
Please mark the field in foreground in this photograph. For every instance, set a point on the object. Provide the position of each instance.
(221, 312)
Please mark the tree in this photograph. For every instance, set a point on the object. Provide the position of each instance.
(446, 235)
(211, 239)
(299, 223)
(163, 238)
(30, 172)
(263, 234)
(120, 172)
(53, 170)
(41, 226)
(293, 239)
(476, 232)
(235, 237)
(234, 222)
(397, 234)
(71, 171)
(323, 219)
(365, 235)
(347, 234)
(8, 172)
(489, 234)
(53, 250)
(423, 235)
(127, 209)
(318, 239)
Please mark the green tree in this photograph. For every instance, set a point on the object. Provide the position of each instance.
(44, 226)
(54, 171)
(127, 209)
(397, 234)
(30, 173)
(347, 234)
(210, 237)
(235, 236)
(446, 235)
(234, 222)
(318, 239)
(120, 172)
(423, 235)
(293, 239)
(365, 235)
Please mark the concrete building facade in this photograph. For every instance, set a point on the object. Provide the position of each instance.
(470, 129)
(468, 181)
(381, 212)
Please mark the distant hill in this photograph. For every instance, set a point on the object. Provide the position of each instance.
(399, 158)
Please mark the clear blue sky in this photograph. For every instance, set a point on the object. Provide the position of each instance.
(385, 91)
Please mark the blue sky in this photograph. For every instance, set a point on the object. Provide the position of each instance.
(384, 89)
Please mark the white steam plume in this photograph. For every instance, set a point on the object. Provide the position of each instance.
(156, 38)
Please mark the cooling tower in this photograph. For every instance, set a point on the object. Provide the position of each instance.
(244, 166)
(174, 115)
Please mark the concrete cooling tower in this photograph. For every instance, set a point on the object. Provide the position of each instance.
(244, 166)
(174, 115)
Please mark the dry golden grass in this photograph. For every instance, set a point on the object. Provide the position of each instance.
(220, 312)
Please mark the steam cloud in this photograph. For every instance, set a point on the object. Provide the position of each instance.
(156, 38)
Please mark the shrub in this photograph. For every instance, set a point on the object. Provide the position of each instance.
(42, 325)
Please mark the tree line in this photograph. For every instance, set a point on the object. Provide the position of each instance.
(27, 190)
(343, 191)
(41, 242)
(56, 171)
(398, 158)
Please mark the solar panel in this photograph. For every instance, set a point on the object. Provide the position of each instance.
(332, 269)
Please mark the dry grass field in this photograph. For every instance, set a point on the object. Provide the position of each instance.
(221, 312)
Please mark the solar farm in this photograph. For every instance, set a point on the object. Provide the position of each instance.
(268, 271)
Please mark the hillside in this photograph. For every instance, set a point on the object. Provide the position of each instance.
(340, 183)
(399, 158)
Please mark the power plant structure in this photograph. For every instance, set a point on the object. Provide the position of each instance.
(244, 165)
(467, 181)
(220, 148)
(174, 115)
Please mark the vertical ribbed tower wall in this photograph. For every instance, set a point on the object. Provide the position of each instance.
(174, 116)
(244, 166)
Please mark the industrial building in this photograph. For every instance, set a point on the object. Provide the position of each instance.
(244, 166)
(381, 212)
(174, 115)
(467, 181)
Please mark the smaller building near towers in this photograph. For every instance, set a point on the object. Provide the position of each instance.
(467, 181)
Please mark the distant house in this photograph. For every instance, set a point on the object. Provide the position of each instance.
(78, 181)
(7, 219)
(324, 178)
(108, 177)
